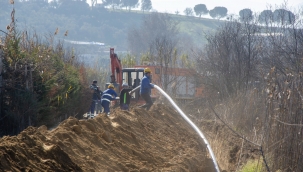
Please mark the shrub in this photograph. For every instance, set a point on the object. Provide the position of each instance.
(252, 166)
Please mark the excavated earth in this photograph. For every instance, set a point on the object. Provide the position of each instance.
(136, 140)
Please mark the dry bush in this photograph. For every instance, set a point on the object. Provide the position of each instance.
(275, 48)
(234, 118)
(284, 122)
(244, 113)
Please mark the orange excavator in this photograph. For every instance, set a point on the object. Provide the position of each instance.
(131, 76)
(183, 88)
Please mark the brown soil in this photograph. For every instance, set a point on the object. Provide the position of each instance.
(136, 140)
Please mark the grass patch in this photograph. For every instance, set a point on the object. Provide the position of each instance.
(252, 166)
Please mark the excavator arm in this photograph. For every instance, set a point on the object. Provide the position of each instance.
(116, 68)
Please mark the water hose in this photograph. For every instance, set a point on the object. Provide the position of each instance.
(188, 121)
(133, 90)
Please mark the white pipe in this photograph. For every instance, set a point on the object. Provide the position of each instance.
(135, 89)
(193, 126)
(188, 121)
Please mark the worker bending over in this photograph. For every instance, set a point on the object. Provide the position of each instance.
(107, 96)
(125, 97)
(145, 89)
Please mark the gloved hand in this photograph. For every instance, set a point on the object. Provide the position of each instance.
(152, 85)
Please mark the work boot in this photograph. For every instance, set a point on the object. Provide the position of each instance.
(88, 115)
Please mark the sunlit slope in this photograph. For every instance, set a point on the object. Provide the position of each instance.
(137, 140)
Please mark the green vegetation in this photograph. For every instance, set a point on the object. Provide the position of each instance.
(252, 166)
(42, 82)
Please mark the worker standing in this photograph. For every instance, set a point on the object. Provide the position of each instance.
(145, 89)
(107, 96)
(95, 98)
(125, 97)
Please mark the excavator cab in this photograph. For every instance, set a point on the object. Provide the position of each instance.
(132, 76)
(119, 75)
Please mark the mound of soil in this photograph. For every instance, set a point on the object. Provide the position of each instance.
(136, 140)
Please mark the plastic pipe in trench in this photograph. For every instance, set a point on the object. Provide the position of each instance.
(188, 121)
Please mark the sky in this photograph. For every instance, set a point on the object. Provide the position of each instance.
(233, 6)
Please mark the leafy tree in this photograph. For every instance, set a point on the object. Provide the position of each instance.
(74, 7)
(42, 82)
(246, 14)
(129, 3)
(218, 12)
(266, 16)
(54, 4)
(200, 9)
(128, 61)
(188, 11)
(112, 3)
(146, 5)
(283, 16)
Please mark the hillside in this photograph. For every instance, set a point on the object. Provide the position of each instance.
(157, 140)
(98, 24)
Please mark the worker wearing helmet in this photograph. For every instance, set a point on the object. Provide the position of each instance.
(125, 97)
(145, 89)
(107, 96)
(95, 98)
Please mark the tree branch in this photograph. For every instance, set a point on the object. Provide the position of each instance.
(3, 31)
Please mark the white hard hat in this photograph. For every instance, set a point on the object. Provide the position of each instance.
(124, 85)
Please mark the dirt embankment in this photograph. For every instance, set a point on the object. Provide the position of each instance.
(158, 140)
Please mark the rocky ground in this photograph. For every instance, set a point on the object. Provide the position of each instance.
(136, 140)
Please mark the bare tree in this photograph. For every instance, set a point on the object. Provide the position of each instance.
(240, 53)
(157, 37)
(230, 58)
(283, 61)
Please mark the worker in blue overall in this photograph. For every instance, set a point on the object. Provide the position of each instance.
(96, 92)
(107, 96)
(145, 89)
